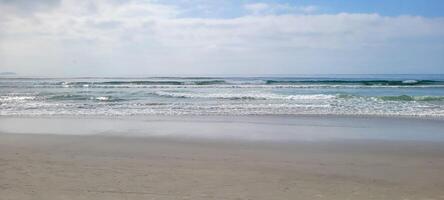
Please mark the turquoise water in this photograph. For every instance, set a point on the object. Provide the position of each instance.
(397, 95)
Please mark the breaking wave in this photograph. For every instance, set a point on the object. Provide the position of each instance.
(209, 82)
(412, 98)
(237, 96)
(358, 82)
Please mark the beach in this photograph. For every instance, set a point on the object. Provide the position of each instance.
(158, 158)
(221, 100)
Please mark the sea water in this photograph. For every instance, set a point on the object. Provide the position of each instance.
(375, 95)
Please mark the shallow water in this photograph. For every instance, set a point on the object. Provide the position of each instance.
(234, 128)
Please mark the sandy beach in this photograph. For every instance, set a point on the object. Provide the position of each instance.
(100, 166)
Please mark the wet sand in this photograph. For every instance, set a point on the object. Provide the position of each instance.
(101, 166)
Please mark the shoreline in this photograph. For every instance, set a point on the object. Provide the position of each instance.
(150, 116)
(244, 128)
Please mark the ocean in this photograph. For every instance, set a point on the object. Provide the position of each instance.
(363, 95)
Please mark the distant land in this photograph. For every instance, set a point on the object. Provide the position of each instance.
(7, 73)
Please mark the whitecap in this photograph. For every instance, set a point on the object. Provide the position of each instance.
(410, 82)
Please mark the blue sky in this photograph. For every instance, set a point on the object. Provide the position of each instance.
(426, 8)
(156, 37)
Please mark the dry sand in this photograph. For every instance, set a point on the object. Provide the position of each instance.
(51, 167)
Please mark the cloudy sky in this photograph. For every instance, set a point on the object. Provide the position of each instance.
(207, 37)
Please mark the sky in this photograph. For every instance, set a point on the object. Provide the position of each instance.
(211, 37)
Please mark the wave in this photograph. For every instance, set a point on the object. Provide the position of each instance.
(252, 86)
(16, 98)
(268, 82)
(73, 97)
(308, 97)
(411, 98)
(226, 83)
(219, 103)
(358, 82)
(208, 82)
(224, 96)
(394, 98)
(236, 96)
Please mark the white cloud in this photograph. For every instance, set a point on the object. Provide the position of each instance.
(114, 37)
(264, 8)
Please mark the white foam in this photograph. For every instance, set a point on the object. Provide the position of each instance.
(410, 81)
(16, 98)
(258, 96)
(105, 98)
